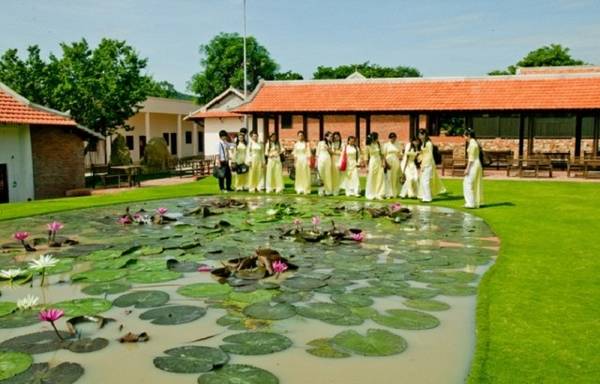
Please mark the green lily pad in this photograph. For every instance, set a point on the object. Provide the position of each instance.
(417, 293)
(13, 363)
(255, 343)
(239, 374)
(19, 319)
(364, 312)
(118, 263)
(98, 276)
(252, 297)
(303, 283)
(376, 342)
(84, 307)
(191, 359)
(108, 288)
(142, 299)
(427, 305)
(205, 290)
(324, 348)
(352, 300)
(327, 312)
(380, 291)
(63, 265)
(292, 297)
(34, 343)
(86, 345)
(64, 373)
(264, 310)
(104, 254)
(148, 250)
(455, 289)
(174, 314)
(407, 319)
(149, 277)
(7, 307)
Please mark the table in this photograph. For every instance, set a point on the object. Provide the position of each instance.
(132, 172)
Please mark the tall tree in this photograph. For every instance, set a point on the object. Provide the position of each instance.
(547, 56)
(366, 69)
(222, 65)
(166, 89)
(289, 75)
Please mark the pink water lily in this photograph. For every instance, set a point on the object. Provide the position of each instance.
(297, 223)
(279, 267)
(358, 236)
(51, 315)
(21, 236)
(204, 268)
(395, 207)
(316, 220)
(53, 228)
(161, 211)
(124, 220)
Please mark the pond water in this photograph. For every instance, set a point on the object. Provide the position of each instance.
(422, 267)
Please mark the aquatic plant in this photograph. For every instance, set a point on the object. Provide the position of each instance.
(279, 267)
(42, 263)
(298, 224)
(21, 236)
(161, 211)
(358, 236)
(316, 221)
(10, 274)
(51, 315)
(53, 229)
(27, 302)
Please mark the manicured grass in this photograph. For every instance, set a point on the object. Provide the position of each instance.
(538, 311)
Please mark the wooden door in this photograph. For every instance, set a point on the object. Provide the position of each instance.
(3, 183)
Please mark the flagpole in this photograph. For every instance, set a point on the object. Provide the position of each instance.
(245, 67)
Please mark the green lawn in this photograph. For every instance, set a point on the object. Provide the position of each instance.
(538, 312)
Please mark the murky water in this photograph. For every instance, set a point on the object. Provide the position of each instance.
(438, 355)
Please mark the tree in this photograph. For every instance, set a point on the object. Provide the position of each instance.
(166, 89)
(156, 154)
(101, 88)
(552, 55)
(366, 69)
(289, 75)
(222, 66)
(119, 153)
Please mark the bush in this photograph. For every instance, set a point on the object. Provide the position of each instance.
(119, 153)
(156, 154)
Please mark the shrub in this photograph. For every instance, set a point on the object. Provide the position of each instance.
(119, 153)
(156, 154)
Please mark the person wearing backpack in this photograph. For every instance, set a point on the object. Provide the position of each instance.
(472, 184)
(430, 184)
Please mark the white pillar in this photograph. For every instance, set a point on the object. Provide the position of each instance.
(195, 139)
(147, 126)
(179, 138)
(108, 148)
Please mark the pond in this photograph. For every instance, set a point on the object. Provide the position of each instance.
(372, 292)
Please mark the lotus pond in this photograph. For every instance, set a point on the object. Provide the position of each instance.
(245, 290)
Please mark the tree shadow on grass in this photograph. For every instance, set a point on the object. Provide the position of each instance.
(494, 205)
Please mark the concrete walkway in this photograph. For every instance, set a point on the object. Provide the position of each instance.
(147, 183)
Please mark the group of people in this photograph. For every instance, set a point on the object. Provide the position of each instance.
(393, 170)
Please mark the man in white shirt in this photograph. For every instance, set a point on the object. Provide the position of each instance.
(224, 161)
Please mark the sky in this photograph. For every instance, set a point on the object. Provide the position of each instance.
(440, 38)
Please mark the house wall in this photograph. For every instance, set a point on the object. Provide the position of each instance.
(58, 161)
(212, 127)
(15, 152)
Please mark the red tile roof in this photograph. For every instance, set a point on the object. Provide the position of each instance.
(18, 110)
(427, 94)
(213, 113)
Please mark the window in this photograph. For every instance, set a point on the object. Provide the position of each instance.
(142, 146)
(587, 127)
(286, 121)
(486, 126)
(129, 141)
(188, 137)
(166, 137)
(554, 126)
(509, 127)
(173, 143)
(201, 142)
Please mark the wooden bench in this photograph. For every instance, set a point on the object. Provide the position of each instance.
(591, 169)
(499, 159)
(575, 167)
(530, 167)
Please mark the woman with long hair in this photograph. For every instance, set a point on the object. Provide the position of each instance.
(350, 179)
(273, 152)
(255, 158)
(472, 184)
(392, 153)
(240, 150)
(375, 188)
(302, 155)
(430, 184)
(324, 166)
(336, 153)
(410, 188)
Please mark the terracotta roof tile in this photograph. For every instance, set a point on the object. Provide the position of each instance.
(17, 110)
(493, 93)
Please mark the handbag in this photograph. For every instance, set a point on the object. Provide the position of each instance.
(344, 160)
(241, 168)
(218, 171)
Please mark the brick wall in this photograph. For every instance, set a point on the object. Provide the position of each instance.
(58, 161)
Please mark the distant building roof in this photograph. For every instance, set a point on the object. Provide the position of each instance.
(547, 92)
(356, 75)
(213, 109)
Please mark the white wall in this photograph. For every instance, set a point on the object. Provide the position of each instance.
(212, 126)
(15, 152)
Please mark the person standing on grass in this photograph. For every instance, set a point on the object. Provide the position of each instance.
(472, 184)
(302, 155)
(239, 156)
(392, 153)
(255, 158)
(273, 152)
(324, 165)
(375, 188)
(430, 184)
(336, 153)
(224, 157)
(351, 181)
(410, 188)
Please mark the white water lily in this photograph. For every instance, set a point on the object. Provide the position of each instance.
(10, 273)
(27, 302)
(272, 212)
(44, 261)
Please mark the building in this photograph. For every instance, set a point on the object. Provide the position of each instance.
(41, 150)
(543, 110)
(158, 117)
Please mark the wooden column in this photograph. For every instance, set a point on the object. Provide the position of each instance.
(321, 127)
(596, 135)
(368, 124)
(357, 128)
(265, 128)
(578, 135)
(305, 126)
(277, 125)
(530, 134)
(521, 135)
(254, 124)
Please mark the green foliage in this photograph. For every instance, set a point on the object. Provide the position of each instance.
(119, 153)
(552, 55)
(166, 89)
(366, 69)
(156, 154)
(289, 75)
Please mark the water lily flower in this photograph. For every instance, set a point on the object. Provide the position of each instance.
(21, 236)
(161, 211)
(53, 228)
(10, 274)
(316, 221)
(279, 267)
(297, 223)
(124, 220)
(43, 262)
(204, 268)
(51, 315)
(271, 212)
(27, 302)
(358, 236)
(395, 207)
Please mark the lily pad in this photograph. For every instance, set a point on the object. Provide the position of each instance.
(64, 373)
(174, 314)
(255, 343)
(303, 283)
(19, 319)
(118, 263)
(252, 297)
(427, 305)
(324, 348)
(7, 307)
(34, 343)
(191, 359)
(239, 374)
(104, 254)
(407, 319)
(82, 307)
(417, 293)
(99, 276)
(142, 299)
(455, 289)
(86, 345)
(266, 311)
(327, 312)
(376, 342)
(352, 300)
(13, 363)
(292, 297)
(63, 265)
(108, 288)
(143, 277)
(205, 290)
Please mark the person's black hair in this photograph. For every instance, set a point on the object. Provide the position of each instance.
(301, 132)
(237, 138)
(392, 135)
(275, 142)
(355, 145)
(223, 133)
(426, 139)
(412, 143)
(372, 137)
(338, 135)
(470, 132)
(244, 130)
(253, 132)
